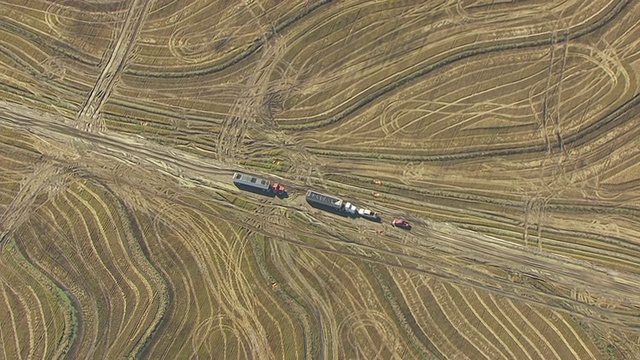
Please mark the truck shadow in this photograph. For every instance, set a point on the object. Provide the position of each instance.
(331, 210)
(254, 190)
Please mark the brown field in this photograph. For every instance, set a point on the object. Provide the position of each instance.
(506, 132)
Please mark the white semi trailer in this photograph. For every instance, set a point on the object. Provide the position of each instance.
(331, 203)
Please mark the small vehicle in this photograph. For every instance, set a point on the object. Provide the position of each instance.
(368, 214)
(403, 224)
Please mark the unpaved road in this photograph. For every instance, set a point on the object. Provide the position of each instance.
(561, 272)
(89, 115)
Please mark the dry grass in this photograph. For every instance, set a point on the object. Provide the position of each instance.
(506, 133)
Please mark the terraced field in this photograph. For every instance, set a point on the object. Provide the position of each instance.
(507, 133)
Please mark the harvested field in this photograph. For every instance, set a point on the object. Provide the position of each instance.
(507, 134)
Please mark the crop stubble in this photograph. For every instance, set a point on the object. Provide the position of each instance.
(507, 133)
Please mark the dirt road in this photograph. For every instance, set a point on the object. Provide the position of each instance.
(421, 250)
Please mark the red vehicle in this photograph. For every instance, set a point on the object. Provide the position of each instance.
(401, 224)
(277, 189)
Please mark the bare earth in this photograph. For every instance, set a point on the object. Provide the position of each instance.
(507, 133)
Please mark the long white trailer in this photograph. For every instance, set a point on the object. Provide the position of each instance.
(329, 202)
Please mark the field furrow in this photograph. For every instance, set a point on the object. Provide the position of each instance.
(506, 133)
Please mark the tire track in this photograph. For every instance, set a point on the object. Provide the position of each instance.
(248, 106)
(322, 312)
(98, 307)
(12, 316)
(133, 149)
(74, 326)
(524, 334)
(89, 116)
(501, 325)
(384, 257)
(359, 322)
(167, 289)
(501, 347)
(452, 56)
(441, 307)
(393, 255)
(419, 267)
(530, 326)
(550, 110)
(134, 291)
(472, 334)
(20, 207)
(138, 71)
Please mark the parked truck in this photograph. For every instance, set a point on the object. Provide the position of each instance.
(330, 203)
(257, 184)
